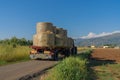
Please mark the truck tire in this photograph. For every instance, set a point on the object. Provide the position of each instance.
(75, 50)
(32, 56)
(55, 56)
(72, 51)
(67, 52)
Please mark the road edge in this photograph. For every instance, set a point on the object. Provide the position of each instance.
(36, 74)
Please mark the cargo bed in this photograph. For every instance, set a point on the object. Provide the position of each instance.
(52, 52)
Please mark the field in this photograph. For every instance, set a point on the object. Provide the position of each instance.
(106, 64)
(102, 64)
(10, 54)
(107, 54)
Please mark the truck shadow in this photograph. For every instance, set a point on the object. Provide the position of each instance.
(49, 59)
(39, 59)
(100, 61)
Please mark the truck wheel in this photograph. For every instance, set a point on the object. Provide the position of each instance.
(32, 56)
(67, 53)
(55, 57)
(75, 50)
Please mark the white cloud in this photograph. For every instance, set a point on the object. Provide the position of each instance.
(93, 35)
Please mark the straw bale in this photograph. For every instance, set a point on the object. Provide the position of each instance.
(44, 26)
(35, 40)
(44, 40)
(61, 32)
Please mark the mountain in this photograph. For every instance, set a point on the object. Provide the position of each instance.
(113, 39)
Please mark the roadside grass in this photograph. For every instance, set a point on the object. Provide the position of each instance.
(86, 54)
(9, 54)
(72, 68)
(108, 72)
(81, 49)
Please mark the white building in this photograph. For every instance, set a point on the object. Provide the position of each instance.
(105, 46)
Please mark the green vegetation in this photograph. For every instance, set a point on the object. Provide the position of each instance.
(80, 67)
(86, 54)
(10, 54)
(108, 72)
(14, 50)
(16, 41)
(80, 49)
(72, 68)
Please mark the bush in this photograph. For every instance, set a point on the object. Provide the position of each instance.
(69, 69)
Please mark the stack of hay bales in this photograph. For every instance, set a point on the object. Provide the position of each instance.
(44, 36)
(60, 37)
(70, 42)
(48, 35)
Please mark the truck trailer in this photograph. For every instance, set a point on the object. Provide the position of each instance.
(51, 42)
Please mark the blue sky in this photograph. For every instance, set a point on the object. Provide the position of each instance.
(19, 17)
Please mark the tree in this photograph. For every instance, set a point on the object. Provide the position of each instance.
(16, 41)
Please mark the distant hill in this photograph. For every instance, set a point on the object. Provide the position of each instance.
(113, 39)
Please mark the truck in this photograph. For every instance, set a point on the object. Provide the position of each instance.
(51, 42)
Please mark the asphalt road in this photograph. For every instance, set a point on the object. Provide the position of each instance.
(18, 70)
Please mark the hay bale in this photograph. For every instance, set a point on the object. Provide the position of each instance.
(61, 32)
(54, 29)
(65, 32)
(44, 26)
(70, 42)
(46, 39)
(65, 41)
(35, 40)
(59, 41)
(61, 37)
(49, 32)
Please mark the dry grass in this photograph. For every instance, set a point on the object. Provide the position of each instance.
(10, 54)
